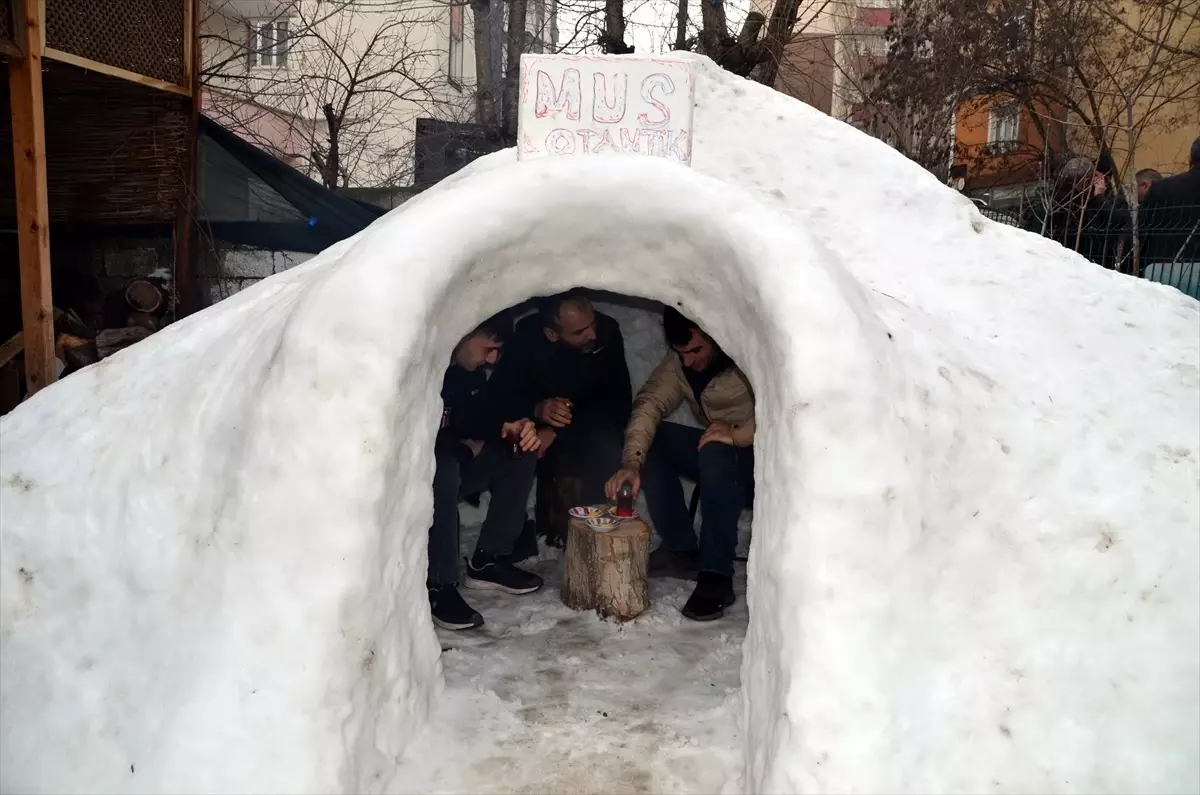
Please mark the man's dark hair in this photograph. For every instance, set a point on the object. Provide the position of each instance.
(548, 307)
(496, 327)
(1195, 153)
(677, 327)
(1147, 175)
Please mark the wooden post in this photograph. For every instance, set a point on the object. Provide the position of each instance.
(33, 208)
(185, 221)
(606, 571)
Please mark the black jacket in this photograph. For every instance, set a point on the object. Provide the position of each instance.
(469, 407)
(1169, 214)
(533, 369)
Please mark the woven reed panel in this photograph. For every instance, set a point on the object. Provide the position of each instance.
(115, 151)
(6, 8)
(143, 36)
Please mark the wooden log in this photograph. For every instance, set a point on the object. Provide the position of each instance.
(606, 572)
(33, 213)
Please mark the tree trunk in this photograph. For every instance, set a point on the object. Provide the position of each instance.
(613, 40)
(331, 167)
(606, 572)
(681, 20)
(1134, 204)
(714, 30)
(512, 77)
(779, 32)
(487, 84)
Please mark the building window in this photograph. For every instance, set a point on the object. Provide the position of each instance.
(268, 43)
(1004, 124)
(455, 67)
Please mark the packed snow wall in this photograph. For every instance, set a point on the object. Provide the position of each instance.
(976, 562)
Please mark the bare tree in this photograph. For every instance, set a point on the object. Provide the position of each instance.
(1096, 77)
(345, 80)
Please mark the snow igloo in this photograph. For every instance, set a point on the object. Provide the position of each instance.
(976, 563)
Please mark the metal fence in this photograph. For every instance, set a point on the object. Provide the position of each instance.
(1168, 238)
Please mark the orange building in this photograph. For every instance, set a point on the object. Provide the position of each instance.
(1000, 146)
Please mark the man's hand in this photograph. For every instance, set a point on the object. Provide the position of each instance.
(474, 445)
(546, 437)
(554, 411)
(1098, 184)
(526, 433)
(622, 477)
(717, 432)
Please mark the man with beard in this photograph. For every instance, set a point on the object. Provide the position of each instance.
(566, 368)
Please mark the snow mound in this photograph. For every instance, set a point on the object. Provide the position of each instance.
(976, 562)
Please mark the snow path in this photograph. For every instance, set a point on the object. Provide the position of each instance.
(544, 699)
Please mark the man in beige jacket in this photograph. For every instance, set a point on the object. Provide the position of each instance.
(720, 459)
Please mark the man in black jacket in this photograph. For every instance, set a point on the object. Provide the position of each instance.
(1170, 222)
(474, 451)
(566, 368)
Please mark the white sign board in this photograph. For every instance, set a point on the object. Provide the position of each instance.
(595, 105)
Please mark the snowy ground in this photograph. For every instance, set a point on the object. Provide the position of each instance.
(544, 699)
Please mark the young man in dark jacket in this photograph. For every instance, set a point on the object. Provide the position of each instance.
(566, 368)
(474, 451)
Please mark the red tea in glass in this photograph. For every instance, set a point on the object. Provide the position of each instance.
(625, 501)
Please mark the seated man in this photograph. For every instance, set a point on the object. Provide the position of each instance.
(566, 367)
(473, 453)
(720, 459)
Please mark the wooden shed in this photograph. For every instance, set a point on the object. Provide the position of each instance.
(101, 100)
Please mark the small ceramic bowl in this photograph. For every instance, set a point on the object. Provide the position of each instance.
(602, 524)
(586, 512)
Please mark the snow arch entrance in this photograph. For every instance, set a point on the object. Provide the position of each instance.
(975, 563)
(779, 304)
(249, 596)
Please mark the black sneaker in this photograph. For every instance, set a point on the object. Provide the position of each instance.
(682, 565)
(450, 610)
(714, 593)
(487, 572)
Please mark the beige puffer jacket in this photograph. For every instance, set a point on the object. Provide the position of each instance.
(727, 398)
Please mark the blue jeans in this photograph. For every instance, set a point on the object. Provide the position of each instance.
(725, 476)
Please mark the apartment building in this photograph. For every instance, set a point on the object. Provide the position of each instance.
(833, 51)
(335, 87)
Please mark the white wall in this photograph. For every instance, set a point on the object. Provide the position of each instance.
(353, 39)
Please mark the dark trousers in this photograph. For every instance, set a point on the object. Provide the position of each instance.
(723, 473)
(458, 475)
(587, 450)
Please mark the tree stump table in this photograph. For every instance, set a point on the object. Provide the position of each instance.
(606, 571)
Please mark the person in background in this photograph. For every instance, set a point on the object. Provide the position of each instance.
(477, 448)
(719, 458)
(1144, 179)
(1086, 214)
(566, 368)
(1171, 216)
